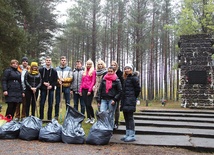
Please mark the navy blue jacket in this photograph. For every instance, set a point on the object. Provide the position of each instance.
(131, 90)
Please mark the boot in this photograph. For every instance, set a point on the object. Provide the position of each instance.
(124, 137)
(131, 136)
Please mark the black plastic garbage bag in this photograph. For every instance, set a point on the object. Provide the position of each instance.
(10, 130)
(51, 132)
(101, 131)
(30, 128)
(72, 131)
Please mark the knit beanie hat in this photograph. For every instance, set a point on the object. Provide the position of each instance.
(129, 66)
(34, 64)
(24, 59)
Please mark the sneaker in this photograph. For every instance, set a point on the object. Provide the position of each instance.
(16, 119)
(88, 120)
(92, 120)
(115, 126)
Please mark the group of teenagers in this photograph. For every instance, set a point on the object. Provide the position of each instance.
(113, 90)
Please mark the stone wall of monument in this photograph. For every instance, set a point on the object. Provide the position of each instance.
(196, 86)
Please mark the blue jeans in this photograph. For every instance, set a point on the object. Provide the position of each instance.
(78, 98)
(106, 105)
(42, 103)
(66, 92)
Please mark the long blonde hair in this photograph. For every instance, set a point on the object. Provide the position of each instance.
(100, 62)
(90, 72)
(116, 64)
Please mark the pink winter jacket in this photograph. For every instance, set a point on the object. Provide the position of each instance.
(88, 82)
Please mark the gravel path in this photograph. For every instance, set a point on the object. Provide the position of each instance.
(21, 147)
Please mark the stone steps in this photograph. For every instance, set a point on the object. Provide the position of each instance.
(148, 130)
(183, 141)
(172, 118)
(193, 129)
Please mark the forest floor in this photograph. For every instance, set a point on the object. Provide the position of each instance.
(22, 147)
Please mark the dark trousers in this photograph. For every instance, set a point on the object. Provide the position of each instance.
(44, 94)
(88, 101)
(66, 92)
(11, 108)
(129, 120)
(117, 114)
(78, 98)
(31, 101)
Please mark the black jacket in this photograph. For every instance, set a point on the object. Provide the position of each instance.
(32, 81)
(48, 76)
(113, 94)
(11, 82)
(131, 90)
(120, 76)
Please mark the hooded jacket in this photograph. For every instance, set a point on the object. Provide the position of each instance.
(77, 78)
(66, 74)
(131, 90)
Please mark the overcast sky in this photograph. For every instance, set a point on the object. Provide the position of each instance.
(62, 8)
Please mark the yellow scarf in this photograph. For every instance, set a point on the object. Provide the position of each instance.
(34, 72)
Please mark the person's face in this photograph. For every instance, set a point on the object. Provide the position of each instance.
(113, 65)
(78, 65)
(100, 66)
(127, 70)
(14, 65)
(63, 62)
(48, 62)
(34, 67)
(88, 65)
(25, 63)
(110, 71)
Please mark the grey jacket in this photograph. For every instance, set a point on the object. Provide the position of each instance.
(77, 78)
